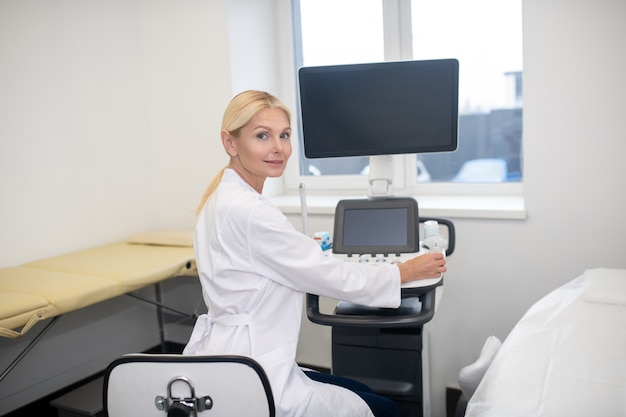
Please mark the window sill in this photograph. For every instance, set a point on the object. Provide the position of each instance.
(471, 207)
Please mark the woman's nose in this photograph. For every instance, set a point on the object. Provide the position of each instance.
(277, 145)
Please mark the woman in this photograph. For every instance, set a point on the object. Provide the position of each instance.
(255, 267)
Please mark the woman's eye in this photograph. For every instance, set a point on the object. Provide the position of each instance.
(262, 135)
(285, 136)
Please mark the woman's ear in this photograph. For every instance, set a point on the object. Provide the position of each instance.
(229, 144)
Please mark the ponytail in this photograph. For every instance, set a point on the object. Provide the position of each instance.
(210, 190)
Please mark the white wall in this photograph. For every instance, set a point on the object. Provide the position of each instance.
(108, 115)
(187, 83)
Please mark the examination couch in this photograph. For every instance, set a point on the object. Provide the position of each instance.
(565, 357)
(86, 288)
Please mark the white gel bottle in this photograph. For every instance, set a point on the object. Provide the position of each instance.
(433, 241)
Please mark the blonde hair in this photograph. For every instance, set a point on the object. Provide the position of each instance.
(238, 113)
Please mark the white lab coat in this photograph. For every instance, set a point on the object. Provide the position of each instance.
(254, 268)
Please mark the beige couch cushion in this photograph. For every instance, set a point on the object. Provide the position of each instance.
(131, 266)
(50, 287)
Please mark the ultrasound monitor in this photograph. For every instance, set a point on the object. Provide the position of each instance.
(387, 226)
(378, 110)
(381, 108)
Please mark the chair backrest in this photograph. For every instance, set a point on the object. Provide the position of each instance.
(162, 385)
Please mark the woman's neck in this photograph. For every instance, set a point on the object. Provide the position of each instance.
(248, 179)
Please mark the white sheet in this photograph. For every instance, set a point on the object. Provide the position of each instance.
(565, 357)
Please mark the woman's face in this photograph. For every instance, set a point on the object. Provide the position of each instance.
(262, 148)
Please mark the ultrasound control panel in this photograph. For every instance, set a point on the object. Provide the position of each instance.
(377, 259)
(376, 232)
(380, 259)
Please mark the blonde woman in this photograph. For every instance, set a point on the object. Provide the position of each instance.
(255, 268)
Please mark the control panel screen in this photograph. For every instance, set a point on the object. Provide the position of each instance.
(386, 226)
(375, 227)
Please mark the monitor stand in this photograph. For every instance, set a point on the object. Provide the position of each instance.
(381, 176)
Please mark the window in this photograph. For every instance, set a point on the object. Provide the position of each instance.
(332, 34)
(484, 35)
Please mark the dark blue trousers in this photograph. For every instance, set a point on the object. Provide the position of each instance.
(381, 406)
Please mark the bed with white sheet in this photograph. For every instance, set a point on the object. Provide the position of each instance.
(565, 357)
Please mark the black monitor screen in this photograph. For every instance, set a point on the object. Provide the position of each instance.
(379, 109)
(376, 226)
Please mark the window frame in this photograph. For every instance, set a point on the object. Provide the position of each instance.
(398, 46)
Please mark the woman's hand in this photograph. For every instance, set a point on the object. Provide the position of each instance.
(429, 265)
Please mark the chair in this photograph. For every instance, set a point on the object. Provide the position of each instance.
(471, 375)
(179, 385)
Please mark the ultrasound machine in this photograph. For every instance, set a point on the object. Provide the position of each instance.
(380, 110)
(382, 347)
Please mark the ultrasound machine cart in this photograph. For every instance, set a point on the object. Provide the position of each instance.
(382, 347)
